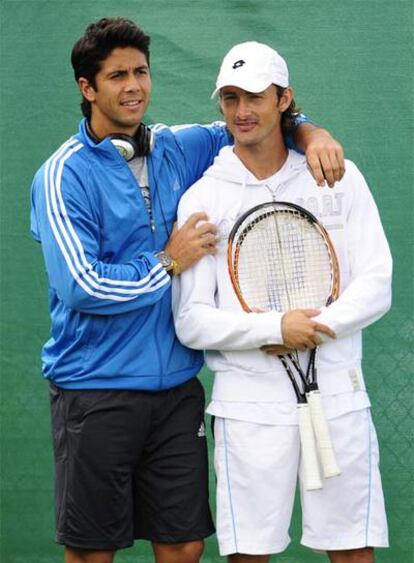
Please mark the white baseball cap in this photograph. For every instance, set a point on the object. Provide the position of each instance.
(253, 67)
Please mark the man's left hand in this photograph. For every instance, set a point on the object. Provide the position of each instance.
(324, 154)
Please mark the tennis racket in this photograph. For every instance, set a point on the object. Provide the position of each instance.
(281, 258)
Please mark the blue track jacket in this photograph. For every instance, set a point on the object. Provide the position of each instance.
(109, 297)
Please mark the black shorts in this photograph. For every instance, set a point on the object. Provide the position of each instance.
(130, 464)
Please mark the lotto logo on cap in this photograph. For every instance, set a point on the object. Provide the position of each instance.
(253, 67)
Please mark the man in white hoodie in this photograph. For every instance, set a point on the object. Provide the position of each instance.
(257, 447)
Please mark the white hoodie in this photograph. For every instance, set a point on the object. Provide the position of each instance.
(208, 314)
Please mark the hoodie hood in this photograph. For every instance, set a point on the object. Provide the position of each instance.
(229, 168)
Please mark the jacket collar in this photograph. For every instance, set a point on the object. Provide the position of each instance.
(106, 149)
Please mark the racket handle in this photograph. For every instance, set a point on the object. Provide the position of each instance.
(323, 438)
(312, 479)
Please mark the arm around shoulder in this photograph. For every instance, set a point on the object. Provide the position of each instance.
(200, 145)
(323, 153)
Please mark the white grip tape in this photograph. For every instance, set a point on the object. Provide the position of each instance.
(323, 438)
(311, 475)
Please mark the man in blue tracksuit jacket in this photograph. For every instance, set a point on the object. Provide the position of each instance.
(127, 408)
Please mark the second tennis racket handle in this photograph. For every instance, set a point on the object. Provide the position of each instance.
(323, 437)
(311, 475)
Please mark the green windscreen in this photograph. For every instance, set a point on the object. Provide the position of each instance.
(351, 66)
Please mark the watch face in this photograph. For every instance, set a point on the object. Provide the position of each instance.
(165, 260)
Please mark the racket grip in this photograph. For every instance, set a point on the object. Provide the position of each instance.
(323, 438)
(311, 475)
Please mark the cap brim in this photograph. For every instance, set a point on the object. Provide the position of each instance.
(245, 84)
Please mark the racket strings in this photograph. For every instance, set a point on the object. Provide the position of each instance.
(282, 262)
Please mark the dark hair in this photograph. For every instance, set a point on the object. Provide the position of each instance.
(97, 43)
(290, 114)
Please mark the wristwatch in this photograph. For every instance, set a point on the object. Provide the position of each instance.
(167, 262)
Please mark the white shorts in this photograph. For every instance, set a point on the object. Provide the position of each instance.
(257, 467)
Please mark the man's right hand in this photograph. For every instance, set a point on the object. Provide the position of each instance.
(300, 331)
(192, 241)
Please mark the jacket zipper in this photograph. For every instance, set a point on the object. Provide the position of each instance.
(150, 211)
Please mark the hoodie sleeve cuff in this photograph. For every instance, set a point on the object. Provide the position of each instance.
(268, 327)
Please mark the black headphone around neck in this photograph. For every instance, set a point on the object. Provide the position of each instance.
(141, 144)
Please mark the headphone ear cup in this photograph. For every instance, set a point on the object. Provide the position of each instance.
(139, 145)
(144, 138)
(125, 145)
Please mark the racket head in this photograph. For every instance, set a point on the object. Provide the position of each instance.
(281, 258)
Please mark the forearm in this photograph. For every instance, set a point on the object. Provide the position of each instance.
(363, 302)
(204, 327)
(303, 132)
(79, 259)
(200, 324)
(105, 289)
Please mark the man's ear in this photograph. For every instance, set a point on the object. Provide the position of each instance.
(86, 88)
(285, 99)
